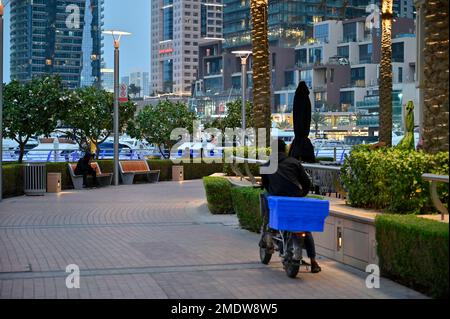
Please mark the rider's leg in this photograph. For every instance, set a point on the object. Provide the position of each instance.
(311, 251)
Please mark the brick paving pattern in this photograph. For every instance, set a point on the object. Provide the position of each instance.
(151, 241)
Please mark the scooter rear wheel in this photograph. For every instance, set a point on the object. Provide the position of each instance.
(265, 256)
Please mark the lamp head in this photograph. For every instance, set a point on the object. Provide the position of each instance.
(117, 35)
(242, 53)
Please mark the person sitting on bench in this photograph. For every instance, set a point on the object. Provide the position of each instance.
(84, 168)
(291, 180)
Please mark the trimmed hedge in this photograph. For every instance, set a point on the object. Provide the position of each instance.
(246, 206)
(415, 252)
(200, 170)
(218, 195)
(391, 179)
(13, 183)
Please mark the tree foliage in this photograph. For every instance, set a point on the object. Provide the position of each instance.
(155, 123)
(31, 108)
(89, 114)
(233, 117)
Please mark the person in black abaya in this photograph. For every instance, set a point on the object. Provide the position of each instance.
(302, 148)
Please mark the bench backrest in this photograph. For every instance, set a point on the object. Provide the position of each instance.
(94, 165)
(134, 166)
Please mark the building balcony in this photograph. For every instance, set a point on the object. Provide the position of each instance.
(368, 121)
(320, 88)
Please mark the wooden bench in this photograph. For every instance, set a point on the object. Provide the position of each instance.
(102, 179)
(129, 169)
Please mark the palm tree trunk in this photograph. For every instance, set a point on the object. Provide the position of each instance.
(261, 66)
(386, 74)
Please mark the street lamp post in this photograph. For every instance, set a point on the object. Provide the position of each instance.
(244, 55)
(2, 7)
(116, 36)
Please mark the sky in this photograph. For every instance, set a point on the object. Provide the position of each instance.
(130, 15)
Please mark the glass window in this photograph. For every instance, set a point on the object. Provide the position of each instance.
(347, 100)
(315, 55)
(168, 23)
(321, 32)
(306, 76)
(358, 76)
(400, 75)
(365, 53)
(343, 52)
(168, 76)
(300, 57)
(349, 32)
(289, 78)
(398, 52)
(213, 85)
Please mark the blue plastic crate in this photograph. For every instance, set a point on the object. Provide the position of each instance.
(298, 214)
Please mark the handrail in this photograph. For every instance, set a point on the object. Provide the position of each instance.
(435, 179)
(323, 167)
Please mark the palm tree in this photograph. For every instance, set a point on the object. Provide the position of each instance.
(284, 125)
(318, 119)
(261, 65)
(386, 74)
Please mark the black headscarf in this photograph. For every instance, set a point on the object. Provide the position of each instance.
(302, 147)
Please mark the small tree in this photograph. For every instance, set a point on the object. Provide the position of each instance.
(318, 119)
(155, 123)
(134, 90)
(90, 115)
(31, 109)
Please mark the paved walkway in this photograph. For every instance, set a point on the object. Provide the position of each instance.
(151, 241)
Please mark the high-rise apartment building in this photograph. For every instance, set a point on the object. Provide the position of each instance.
(289, 21)
(177, 29)
(141, 80)
(108, 79)
(57, 37)
(404, 9)
(145, 83)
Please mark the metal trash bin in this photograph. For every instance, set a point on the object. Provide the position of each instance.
(35, 179)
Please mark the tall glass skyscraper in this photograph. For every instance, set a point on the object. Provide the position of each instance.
(290, 21)
(57, 37)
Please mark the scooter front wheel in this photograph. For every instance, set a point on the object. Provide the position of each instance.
(292, 269)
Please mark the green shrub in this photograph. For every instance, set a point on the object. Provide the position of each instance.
(246, 206)
(391, 179)
(414, 251)
(13, 183)
(218, 195)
